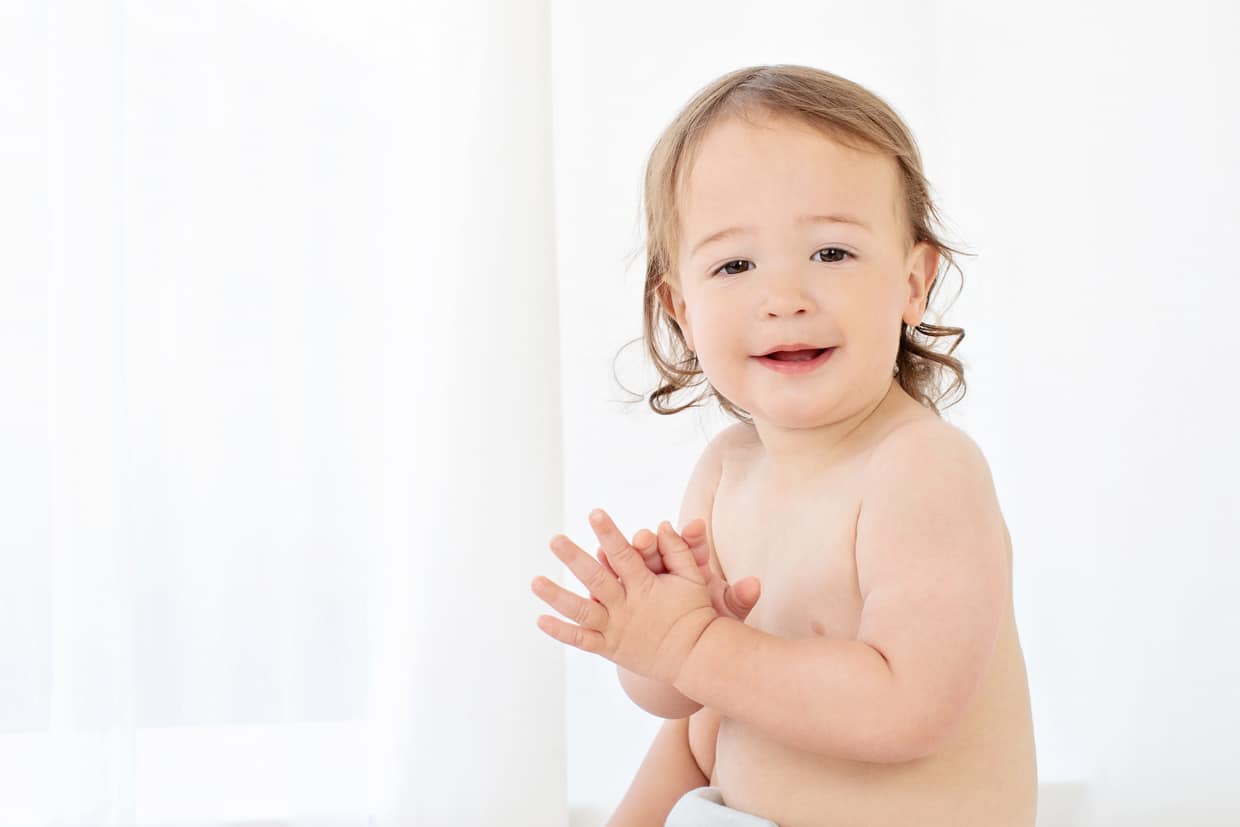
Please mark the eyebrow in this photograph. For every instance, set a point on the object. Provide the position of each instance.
(837, 218)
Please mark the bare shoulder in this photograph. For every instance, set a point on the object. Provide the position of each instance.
(722, 447)
(739, 436)
(738, 446)
(929, 448)
(736, 435)
(929, 458)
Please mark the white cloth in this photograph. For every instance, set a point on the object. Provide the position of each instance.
(704, 807)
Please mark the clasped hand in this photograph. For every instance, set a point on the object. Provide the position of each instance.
(639, 618)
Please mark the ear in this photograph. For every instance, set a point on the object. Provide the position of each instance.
(673, 303)
(923, 263)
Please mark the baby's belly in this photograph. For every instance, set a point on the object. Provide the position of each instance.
(986, 774)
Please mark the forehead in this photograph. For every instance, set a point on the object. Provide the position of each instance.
(778, 169)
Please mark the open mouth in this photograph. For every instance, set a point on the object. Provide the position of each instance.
(796, 355)
(796, 361)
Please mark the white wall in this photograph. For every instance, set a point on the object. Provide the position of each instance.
(1086, 154)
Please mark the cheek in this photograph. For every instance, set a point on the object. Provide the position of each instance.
(718, 341)
(873, 314)
(711, 327)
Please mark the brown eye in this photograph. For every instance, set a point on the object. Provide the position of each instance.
(729, 264)
(837, 250)
(843, 255)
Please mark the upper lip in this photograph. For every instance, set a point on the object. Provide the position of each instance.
(793, 346)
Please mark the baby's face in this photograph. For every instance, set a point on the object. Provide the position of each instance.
(781, 284)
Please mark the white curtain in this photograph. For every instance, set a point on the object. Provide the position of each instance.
(280, 417)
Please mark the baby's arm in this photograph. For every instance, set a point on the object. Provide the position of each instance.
(667, 773)
(934, 576)
(656, 697)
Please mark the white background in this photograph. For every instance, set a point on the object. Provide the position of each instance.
(308, 320)
(1085, 153)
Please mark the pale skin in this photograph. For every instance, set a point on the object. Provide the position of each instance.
(726, 678)
(661, 553)
(639, 619)
(881, 680)
(729, 600)
(658, 783)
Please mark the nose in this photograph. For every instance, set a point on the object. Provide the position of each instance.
(786, 297)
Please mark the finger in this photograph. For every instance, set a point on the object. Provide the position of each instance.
(587, 640)
(694, 533)
(587, 613)
(602, 558)
(676, 554)
(695, 527)
(624, 558)
(594, 577)
(669, 540)
(698, 538)
(647, 544)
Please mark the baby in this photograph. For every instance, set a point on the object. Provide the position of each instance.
(864, 668)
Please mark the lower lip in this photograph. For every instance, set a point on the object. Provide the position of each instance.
(803, 366)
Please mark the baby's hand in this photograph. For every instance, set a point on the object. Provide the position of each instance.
(643, 622)
(730, 601)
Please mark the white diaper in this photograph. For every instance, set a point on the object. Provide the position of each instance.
(704, 807)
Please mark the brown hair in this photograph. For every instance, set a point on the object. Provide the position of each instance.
(848, 113)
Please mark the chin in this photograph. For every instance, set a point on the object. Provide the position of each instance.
(797, 414)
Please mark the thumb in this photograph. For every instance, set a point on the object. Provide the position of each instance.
(742, 596)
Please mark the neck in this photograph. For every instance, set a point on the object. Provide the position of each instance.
(792, 456)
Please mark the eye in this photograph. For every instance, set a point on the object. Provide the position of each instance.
(839, 250)
(729, 264)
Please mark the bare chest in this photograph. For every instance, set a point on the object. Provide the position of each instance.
(801, 547)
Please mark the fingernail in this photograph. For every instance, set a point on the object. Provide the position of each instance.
(596, 516)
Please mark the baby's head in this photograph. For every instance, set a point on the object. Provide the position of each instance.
(760, 148)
